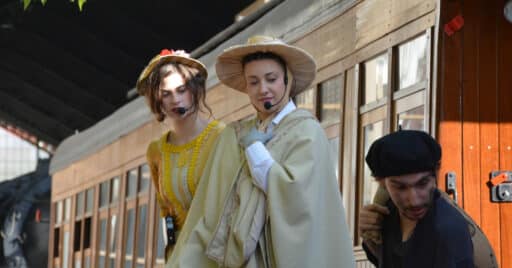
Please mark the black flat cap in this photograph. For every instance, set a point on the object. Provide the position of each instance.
(403, 152)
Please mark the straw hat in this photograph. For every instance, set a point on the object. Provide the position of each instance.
(178, 56)
(300, 63)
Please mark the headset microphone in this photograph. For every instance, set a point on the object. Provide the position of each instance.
(181, 110)
(267, 105)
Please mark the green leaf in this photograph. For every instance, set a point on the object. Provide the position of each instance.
(81, 4)
(26, 3)
(43, 2)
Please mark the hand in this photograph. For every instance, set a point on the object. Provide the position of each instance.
(370, 220)
(253, 136)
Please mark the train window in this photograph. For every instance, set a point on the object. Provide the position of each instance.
(115, 182)
(65, 250)
(87, 232)
(141, 233)
(160, 244)
(59, 207)
(77, 240)
(56, 242)
(335, 146)
(131, 186)
(144, 178)
(89, 202)
(104, 192)
(67, 209)
(375, 79)
(412, 119)
(79, 204)
(113, 240)
(412, 61)
(129, 235)
(371, 132)
(102, 243)
(330, 96)
(306, 100)
(87, 262)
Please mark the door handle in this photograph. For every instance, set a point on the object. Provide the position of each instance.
(451, 185)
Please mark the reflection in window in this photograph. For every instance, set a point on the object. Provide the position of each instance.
(104, 190)
(413, 119)
(89, 200)
(115, 189)
(306, 100)
(59, 212)
(80, 204)
(131, 187)
(330, 91)
(376, 78)
(113, 236)
(141, 231)
(87, 262)
(103, 243)
(160, 246)
(413, 61)
(130, 230)
(144, 178)
(67, 209)
(65, 250)
(371, 132)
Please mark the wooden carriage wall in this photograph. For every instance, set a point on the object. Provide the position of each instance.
(382, 64)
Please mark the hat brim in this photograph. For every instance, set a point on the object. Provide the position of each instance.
(301, 64)
(172, 58)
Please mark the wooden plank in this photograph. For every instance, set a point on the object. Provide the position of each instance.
(504, 36)
(487, 86)
(470, 111)
(449, 92)
(375, 19)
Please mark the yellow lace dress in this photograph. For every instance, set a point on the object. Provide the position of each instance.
(175, 170)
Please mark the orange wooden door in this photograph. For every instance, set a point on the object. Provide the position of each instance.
(475, 112)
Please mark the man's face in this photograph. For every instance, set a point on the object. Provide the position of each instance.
(412, 193)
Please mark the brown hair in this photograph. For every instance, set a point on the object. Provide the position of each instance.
(195, 81)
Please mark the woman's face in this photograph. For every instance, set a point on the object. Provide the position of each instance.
(265, 83)
(175, 96)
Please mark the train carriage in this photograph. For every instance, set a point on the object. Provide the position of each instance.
(439, 66)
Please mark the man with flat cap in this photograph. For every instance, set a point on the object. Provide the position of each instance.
(418, 228)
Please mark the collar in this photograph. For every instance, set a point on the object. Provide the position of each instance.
(288, 108)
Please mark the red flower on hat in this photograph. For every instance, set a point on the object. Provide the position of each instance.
(166, 52)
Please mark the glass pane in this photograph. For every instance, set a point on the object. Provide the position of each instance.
(80, 204)
(130, 229)
(305, 100)
(78, 238)
(87, 262)
(413, 61)
(144, 178)
(141, 231)
(101, 261)
(56, 241)
(330, 91)
(111, 262)
(140, 265)
(371, 133)
(160, 246)
(104, 190)
(103, 236)
(115, 189)
(87, 232)
(376, 78)
(128, 264)
(67, 209)
(59, 208)
(65, 250)
(113, 233)
(90, 200)
(131, 187)
(77, 264)
(335, 147)
(412, 119)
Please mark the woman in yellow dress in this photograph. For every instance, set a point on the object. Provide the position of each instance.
(174, 87)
